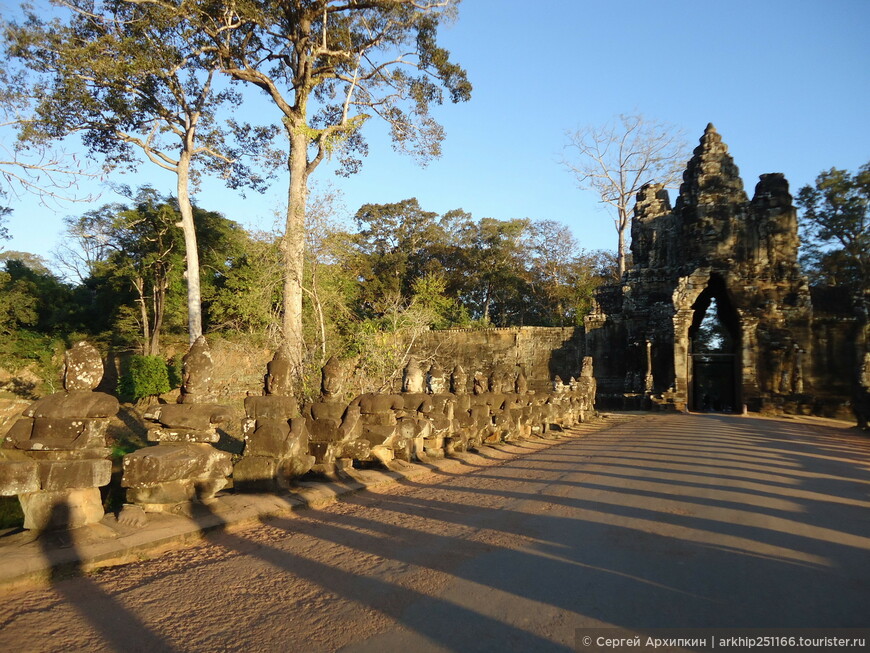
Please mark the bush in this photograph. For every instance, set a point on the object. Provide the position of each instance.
(144, 376)
(174, 368)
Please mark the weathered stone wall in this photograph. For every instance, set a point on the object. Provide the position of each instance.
(786, 351)
(544, 352)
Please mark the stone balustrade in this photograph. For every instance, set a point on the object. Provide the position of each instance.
(56, 456)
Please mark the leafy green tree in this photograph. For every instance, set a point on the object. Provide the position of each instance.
(4, 230)
(836, 228)
(561, 274)
(18, 307)
(395, 243)
(493, 271)
(430, 294)
(248, 299)
(42, 169)
(136, 271)
(328, 66)
(131, 78)
(33, 297)
(37, 312)
(497, 289)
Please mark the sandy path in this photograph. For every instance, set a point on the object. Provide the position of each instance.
(669, 521)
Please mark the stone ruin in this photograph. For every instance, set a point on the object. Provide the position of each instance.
(55, 457)
(716, 247)
(183, 465)
(276, 434)
(335, 428)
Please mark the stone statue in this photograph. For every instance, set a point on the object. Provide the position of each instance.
(276, 435)
(279, 373)
(55, 456)
(413, 379)
(335, 429)
(436, 380)
(183, 466)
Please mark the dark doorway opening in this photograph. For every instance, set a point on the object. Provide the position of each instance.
(714, 347)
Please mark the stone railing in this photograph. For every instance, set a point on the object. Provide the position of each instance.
(435, 415)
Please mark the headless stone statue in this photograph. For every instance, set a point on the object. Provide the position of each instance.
(55, 457)
(183, 466)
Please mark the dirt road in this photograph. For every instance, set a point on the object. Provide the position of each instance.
(668, 521)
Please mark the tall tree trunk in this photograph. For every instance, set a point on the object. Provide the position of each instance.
(194, 299)
(621, 228)
(293, 246)
(318, 307)
(160, 288)
(139, 285)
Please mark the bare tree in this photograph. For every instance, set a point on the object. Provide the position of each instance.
(616, 159)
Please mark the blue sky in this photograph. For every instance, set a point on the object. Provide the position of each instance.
(787, 84)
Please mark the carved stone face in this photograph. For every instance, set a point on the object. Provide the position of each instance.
(521, 384)
(412, 378)
(502, 379)
(458, 381)
(865, 371)
(480, 383)
(436, 380)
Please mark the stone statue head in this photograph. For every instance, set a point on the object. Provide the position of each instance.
(196, 372)
(412, 377)
(331, 378)
(501, 379)
(481, 384)
(82, 367)
(586, 369)
(458, 381)
(436, 380)
(521, 385)
(279, 373)
(865, 371)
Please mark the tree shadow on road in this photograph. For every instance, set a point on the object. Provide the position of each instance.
(116, 625)
(611, 552)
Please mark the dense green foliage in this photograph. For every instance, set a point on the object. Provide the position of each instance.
(487, 272)
(143, 376)
(368, 290)
(131, 262)
(38, 312)
(836, 229)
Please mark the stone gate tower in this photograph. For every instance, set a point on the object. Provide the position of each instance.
(713, 247)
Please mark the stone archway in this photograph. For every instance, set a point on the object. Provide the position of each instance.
(714, 360)
(715, 246)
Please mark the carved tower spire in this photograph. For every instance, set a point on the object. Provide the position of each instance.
(712, 202)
